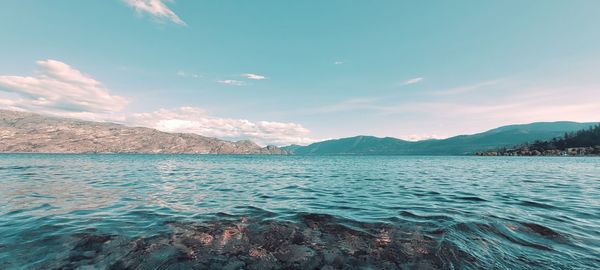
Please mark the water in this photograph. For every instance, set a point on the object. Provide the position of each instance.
(260, 212)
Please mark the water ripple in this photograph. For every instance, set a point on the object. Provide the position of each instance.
(134, 211)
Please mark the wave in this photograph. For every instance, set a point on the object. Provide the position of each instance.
(305, 241)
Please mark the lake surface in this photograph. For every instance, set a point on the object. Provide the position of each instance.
(261, 212)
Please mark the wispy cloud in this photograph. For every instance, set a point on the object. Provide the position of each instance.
(252, 76)
(529, 105)
(59, 87)
(232, 82)
(338, 62)
(469, 88)
(186, 74)
(507, 102)
(504, 102)
(413, 81)
(155, 8)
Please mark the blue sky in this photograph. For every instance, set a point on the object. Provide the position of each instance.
(285, 72)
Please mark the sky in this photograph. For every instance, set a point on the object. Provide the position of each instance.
(295, 72)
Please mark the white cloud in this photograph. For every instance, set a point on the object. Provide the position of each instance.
(58, 87)
(186, 74)
(156, 8)
(253, 76)
(338, 62)
(61, 90)
(232, 82)
(198, 121)
(413, 81)
(421, 137)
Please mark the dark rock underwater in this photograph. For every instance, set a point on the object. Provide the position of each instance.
(287, 212)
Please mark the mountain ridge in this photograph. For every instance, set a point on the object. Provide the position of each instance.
(25, 132)
(503, 136)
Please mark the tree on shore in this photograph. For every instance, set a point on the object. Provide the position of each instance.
(583, 138)
(589, 137)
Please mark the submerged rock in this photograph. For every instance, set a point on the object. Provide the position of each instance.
(313, 242)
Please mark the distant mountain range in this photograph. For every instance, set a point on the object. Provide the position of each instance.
(506, 136)
(22, 132)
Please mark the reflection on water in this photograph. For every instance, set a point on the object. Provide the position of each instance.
(260, 212)
(60, 195)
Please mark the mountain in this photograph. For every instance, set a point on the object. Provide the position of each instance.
(459, 145)
(359, 145)
(22, 132)
(583, 142)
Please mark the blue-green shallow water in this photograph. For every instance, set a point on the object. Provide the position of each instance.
(503, 213)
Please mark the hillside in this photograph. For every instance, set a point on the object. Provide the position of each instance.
(351, 146)
(459, 145)
(582, 142)
(22, 132)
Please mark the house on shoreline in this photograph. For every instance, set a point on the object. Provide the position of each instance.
(526, 151)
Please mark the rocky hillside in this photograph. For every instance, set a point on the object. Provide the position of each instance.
(22, 132)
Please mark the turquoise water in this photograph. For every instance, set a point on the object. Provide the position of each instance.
(70, 211)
